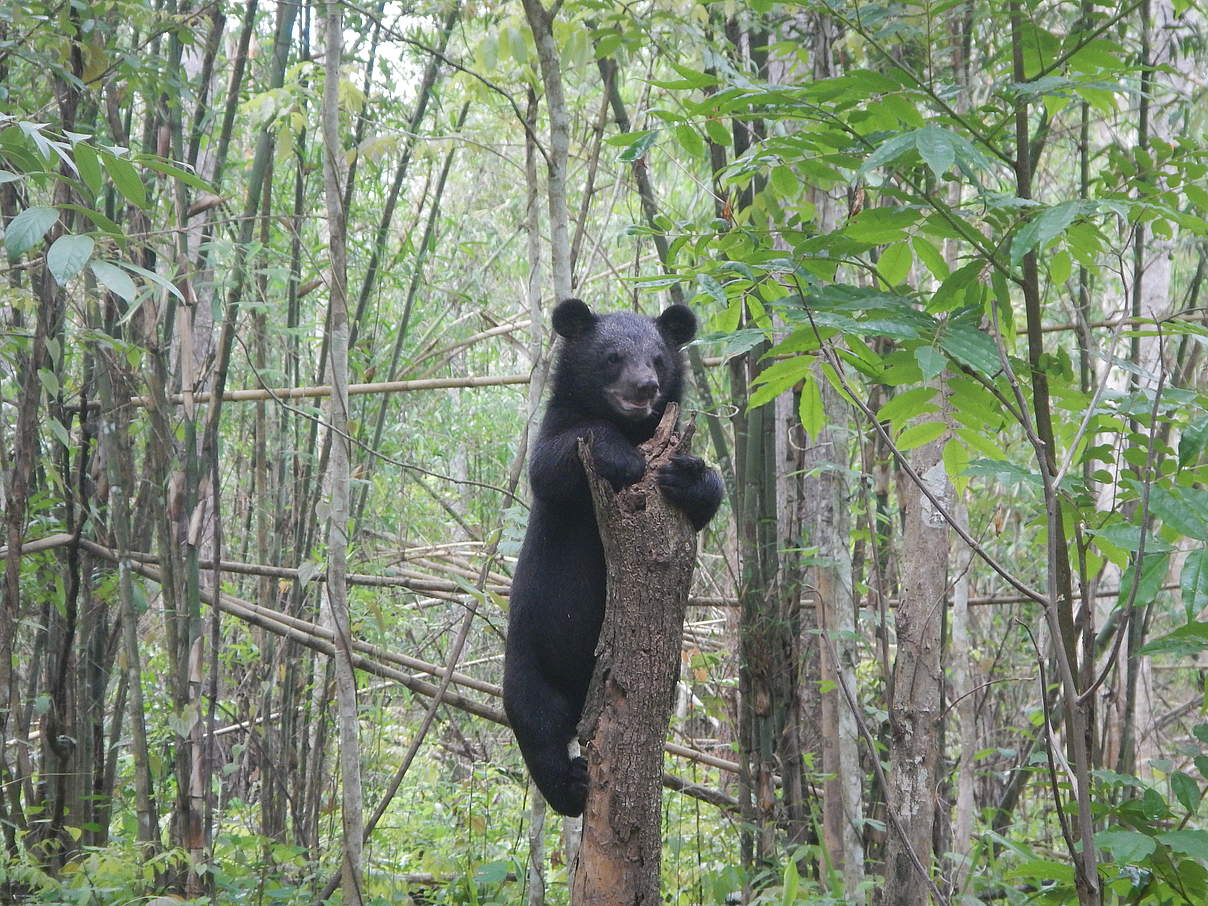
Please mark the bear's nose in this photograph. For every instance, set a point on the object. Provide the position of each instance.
(647, 389)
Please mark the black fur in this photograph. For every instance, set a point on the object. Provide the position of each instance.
(614, 376)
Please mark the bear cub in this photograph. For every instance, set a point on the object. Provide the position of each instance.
(613, 378)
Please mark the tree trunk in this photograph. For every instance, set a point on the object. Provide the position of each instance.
(338, 467)
(115, 441)
(827, 520)
(650, 549)
(541, 22)
(915, 708)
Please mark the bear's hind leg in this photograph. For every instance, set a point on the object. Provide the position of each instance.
(544, 723)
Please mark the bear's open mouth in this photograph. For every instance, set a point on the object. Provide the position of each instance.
(632, 407)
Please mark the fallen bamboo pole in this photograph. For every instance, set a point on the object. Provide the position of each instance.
(317, 638)
(321, 391)
(438, 587)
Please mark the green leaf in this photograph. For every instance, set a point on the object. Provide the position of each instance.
(811, 409)
(492, 872)
(689, 140)
(99, 220)
(60, 433)
(1182, 509)
(785, 182)
(931, 257)
(894, 263)
(68, 255)
(638, 147)
(1040, 229)
(1114, 778)
(791, 882)
(953, 290)
(49, 381)
(1153, 573)
(1043, 870)
(1193, 581)
(931, 362)
(695, 78)
(880, 225)
(971, 347)
(713, 289)
(1126, 845)
(922, 433)
(936, 149)
(154, 278)
(27, 229)
(1060, 266)
(908, 405)
(777, 378)
(126, 178)
(188, 177)
(1186, 790)
(1193, 441)
(114, 279)
(89, 166)
(1186, 641)
(1008, 473)
(717, 132)
(1192, 843)
(887, 153)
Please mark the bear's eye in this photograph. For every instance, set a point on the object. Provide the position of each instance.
(613, 358)
(659, 361)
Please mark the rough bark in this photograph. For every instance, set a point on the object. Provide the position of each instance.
(650, 549)
(915, 708)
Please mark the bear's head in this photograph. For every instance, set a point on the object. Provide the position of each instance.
(620, 365)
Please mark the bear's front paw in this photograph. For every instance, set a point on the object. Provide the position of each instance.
(619, 466)
(692, 486)
(681, 473)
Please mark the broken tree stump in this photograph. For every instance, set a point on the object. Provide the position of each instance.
(650, 549)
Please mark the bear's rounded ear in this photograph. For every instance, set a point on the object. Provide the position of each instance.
(678, 324)
(572, 318)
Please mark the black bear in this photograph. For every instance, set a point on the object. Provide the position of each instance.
(614, 376)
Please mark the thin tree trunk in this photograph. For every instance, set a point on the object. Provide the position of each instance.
(541, 23)
(119, 467)
(827, 504)
(827, 498)
(964, 691)
(1059, 607)
(915, 707)
(338, 466)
